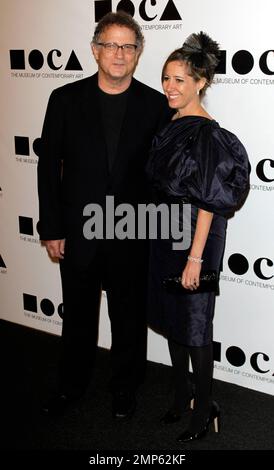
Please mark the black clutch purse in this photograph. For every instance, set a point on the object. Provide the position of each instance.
(209, 282)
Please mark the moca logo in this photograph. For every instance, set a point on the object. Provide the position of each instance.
(30, 303)
(237, 357)
(242, 62)
(148, 9)
(36, 59)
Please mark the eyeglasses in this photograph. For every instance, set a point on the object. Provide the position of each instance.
(112, 47)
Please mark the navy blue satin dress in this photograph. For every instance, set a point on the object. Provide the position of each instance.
(193, 159)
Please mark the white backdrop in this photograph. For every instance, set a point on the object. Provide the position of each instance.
(45, 45)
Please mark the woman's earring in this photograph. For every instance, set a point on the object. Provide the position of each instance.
(198, 92)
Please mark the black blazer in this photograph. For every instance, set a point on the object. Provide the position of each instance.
(73, 168)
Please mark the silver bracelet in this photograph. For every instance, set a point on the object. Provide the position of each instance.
(194, 259)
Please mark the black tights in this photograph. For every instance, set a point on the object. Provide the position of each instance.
(202, 365)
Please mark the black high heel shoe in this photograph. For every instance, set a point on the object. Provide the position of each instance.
(214, 417)
(173, 416)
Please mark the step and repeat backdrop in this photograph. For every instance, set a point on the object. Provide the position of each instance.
(47, 44)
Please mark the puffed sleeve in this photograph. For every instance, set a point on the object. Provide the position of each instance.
(220, 169)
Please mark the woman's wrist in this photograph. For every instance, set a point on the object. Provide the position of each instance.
(195, 259)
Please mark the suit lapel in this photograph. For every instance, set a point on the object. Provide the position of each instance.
(90, 120)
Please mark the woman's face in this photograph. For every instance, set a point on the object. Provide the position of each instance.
(180, 88)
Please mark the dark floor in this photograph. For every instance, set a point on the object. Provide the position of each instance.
(29, 362)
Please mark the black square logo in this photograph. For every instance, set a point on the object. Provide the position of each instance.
(102, 7)
(17, 59)
(21, 145)
(25, 225)
(30, 302)
(217, 351)
(221, 67)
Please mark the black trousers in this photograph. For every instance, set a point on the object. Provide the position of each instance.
(120, 267)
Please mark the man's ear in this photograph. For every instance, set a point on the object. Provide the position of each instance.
(94, 51)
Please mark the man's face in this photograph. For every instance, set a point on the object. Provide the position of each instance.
(119, 64)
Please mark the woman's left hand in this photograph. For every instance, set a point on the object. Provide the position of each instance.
(191, 275)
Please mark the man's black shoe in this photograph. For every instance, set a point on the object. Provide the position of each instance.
(57, 405)
(123, 405)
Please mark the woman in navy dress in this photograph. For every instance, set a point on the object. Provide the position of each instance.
(196, 161)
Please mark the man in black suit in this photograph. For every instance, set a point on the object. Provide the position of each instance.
(95, 142)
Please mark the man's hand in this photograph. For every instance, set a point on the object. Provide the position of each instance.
(55, 248)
